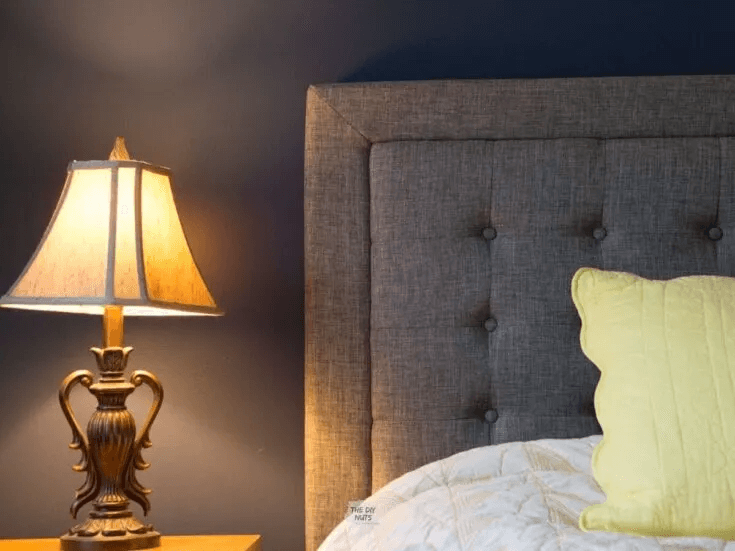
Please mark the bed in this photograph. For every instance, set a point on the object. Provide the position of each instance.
(444, 223)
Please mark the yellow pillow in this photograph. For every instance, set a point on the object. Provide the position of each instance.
(665, 402)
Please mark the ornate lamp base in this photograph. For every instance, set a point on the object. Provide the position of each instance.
(110, 456)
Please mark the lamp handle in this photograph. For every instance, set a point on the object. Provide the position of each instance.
(143, 440)
(133, 488)
(79, 440)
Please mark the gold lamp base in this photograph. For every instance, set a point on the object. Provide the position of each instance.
(110, 456)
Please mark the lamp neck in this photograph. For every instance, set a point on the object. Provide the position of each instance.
(112, 326)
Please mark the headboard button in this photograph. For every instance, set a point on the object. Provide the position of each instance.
(489, 233)
(491, 416)
(599, 233)
(715, 234)
(491, 324)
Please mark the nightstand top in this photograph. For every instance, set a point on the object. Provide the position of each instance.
(168, 543)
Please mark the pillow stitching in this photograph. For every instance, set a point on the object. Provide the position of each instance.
(678, 416)
(717, 388)
(652, 408)
(729, 371)
(657, 441)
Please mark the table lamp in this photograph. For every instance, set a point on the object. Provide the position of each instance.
(114, 246)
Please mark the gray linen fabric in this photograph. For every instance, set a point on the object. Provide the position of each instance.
(443, 223)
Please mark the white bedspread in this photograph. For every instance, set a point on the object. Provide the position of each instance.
(517, 496)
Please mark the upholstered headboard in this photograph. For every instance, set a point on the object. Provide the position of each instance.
(443, 223)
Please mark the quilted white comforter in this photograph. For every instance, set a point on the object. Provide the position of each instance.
(517, 496)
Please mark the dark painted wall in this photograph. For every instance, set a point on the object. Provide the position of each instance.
(215, 90)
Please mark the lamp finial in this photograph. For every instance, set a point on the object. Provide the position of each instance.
(119, 151)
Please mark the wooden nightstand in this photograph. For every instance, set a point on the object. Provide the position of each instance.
(168, 543)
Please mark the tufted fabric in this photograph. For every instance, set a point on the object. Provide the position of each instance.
(443, 223)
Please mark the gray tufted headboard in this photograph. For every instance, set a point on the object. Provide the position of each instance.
(443, 223)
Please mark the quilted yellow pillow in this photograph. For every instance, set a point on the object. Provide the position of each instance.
(665, 402)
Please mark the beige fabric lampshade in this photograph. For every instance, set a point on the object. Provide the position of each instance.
(114, 239)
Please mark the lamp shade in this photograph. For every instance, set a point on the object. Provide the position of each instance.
(115, 239)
